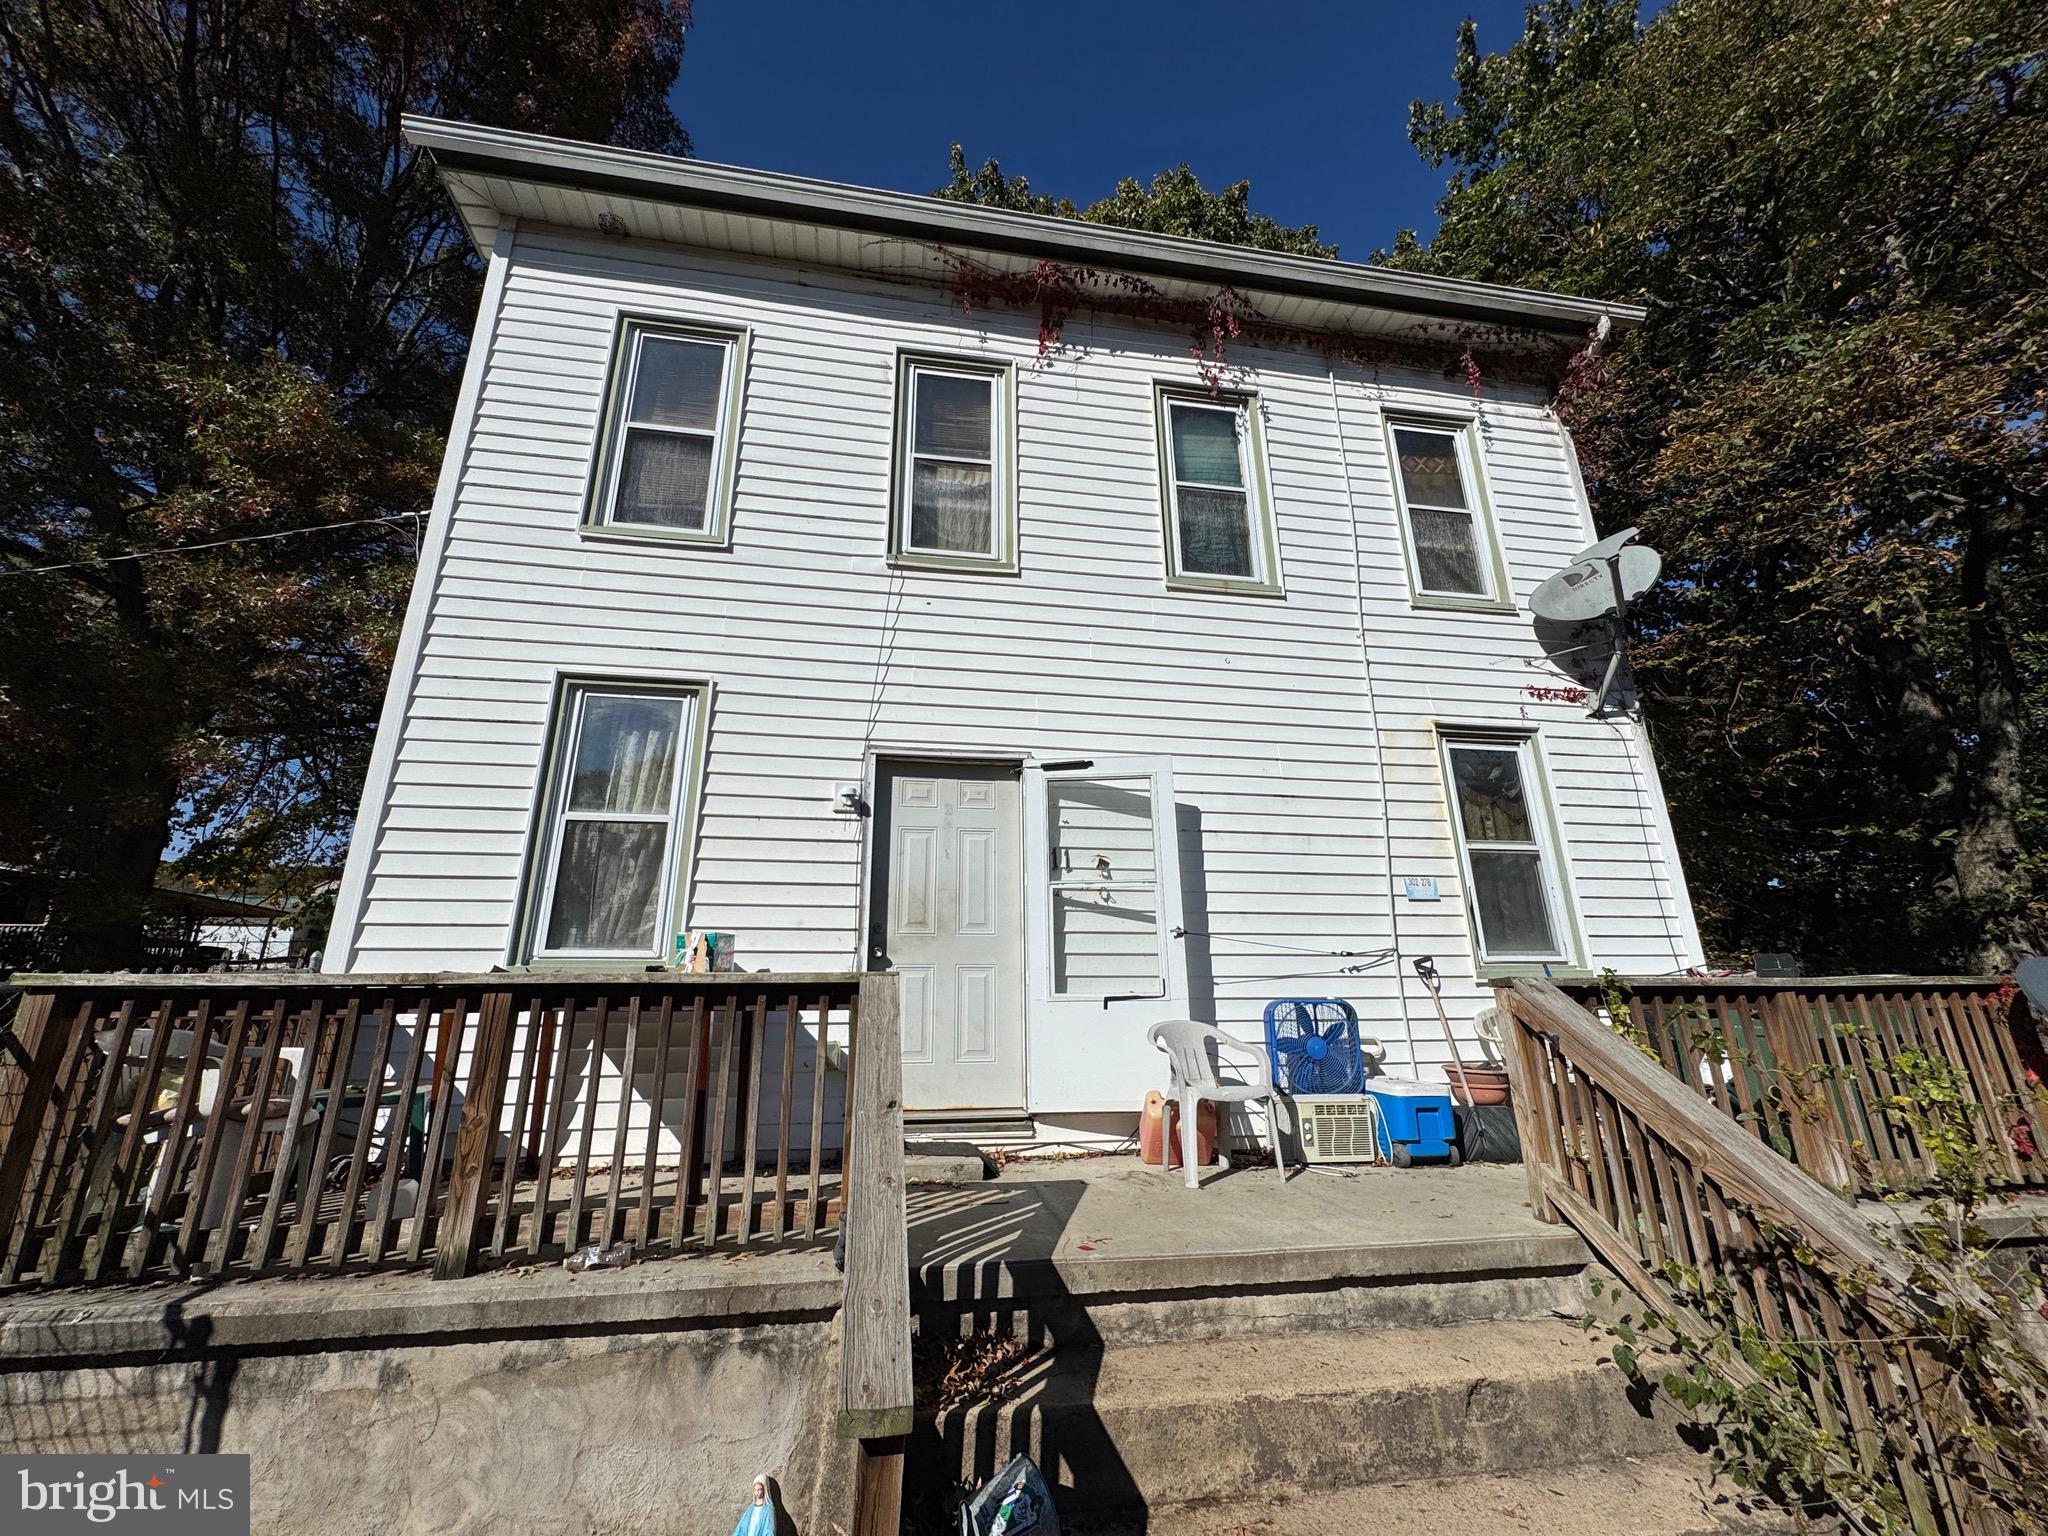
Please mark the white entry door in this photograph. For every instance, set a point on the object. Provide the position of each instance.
(947, 916)
(1108, 955)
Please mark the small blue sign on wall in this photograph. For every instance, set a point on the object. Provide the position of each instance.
(1421, 887)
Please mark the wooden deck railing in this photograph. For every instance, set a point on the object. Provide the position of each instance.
(204, 1125)
(1808, 1067)
(1688, 1207)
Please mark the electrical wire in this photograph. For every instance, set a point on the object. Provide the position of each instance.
(187, 549)
(1292, 949)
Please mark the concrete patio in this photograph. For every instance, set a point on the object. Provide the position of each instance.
(1243, 1253)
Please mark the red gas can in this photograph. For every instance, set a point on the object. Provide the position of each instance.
(1159, 1125)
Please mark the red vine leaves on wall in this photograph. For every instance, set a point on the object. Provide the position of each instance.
(1219, 320)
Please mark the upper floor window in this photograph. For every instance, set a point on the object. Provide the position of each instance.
(952, 477)
(666, 462)
(1450, 550)
(1219, 524)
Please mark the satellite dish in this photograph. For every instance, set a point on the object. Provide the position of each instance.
(1584, 590)
(1600, 583)
(2033, 979)
(1608, 547)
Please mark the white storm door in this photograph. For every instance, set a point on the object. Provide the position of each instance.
(1105, 954)
(951, 879)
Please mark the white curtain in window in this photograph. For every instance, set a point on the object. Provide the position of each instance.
(665, 480)
(1440, 521)
(952, 507)
(608, 886)
(1446, 554)
(618, 824)
(1215, 533)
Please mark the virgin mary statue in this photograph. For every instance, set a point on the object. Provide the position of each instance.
(758, 1518)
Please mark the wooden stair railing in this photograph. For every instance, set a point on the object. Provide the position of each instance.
(875, 1396)
(1665, 1187)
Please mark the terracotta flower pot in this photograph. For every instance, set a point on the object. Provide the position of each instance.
(1487, 1085)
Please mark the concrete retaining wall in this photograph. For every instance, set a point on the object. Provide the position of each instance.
(580, 1428)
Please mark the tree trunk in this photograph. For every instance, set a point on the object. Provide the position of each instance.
(110, 812)
(103, 877)
(1989, 854)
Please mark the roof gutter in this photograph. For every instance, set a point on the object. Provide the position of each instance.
(537, 158)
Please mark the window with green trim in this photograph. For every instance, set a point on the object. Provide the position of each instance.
(952, 486)
(1449, 548)
(607, 857)
(666, 461)
(1218, 529)
(1514, 890)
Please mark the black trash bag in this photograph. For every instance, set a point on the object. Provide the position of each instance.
(1487, 1133)
(1015, 1502)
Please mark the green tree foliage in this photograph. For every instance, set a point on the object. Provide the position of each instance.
(1831, 424)
(1176, 203)
(235, 303)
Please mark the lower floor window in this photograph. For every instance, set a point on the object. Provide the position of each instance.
(1504, 840)
(610, 844)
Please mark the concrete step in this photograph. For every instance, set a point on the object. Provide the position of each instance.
(1132, 1427)
(1655, 1496)
(1103, 1251)
(1422, 1297)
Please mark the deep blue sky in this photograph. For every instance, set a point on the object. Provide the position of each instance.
(1307, 98)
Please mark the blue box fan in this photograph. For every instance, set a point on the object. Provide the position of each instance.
(1315, 1046)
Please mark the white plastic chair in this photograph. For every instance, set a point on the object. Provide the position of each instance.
(1193, 1078)
(128, 1082)
(272, 1116)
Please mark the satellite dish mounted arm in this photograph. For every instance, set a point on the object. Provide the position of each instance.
(1598, 704)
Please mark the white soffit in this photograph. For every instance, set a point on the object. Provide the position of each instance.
(495, 175)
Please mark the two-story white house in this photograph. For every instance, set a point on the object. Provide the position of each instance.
(887, 582)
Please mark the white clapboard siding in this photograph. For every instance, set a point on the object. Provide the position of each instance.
(597, 1088)
(1301, 729)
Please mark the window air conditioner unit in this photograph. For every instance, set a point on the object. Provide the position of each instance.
(1333, 1128)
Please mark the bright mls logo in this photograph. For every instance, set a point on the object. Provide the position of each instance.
(159, 1495)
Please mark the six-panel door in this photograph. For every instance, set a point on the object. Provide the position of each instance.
(947, 857)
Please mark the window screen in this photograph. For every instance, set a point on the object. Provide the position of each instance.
(612, 838)
(1213, 528)
(1515, 895)
(1443, 525)
(665, 460)
(953, 506)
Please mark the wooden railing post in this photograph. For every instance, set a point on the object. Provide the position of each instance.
(22, 1112)
(1523, 1057)
(874, 1319)
(470, 1176)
